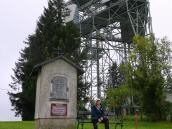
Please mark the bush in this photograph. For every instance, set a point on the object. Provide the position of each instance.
(168, 111)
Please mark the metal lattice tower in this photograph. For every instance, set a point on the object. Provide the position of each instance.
(107, 28)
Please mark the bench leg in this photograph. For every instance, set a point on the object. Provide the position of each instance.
(119, 125)
(82, 126)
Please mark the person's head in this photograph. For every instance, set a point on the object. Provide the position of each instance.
(98, 102)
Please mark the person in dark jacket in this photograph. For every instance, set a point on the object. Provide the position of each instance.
(98, 115)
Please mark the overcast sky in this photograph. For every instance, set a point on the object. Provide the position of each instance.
(18, 20)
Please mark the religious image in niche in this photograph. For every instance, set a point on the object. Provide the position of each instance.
(58, 88)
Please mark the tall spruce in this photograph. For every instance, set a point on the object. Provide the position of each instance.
(51, 38)
(116, 77)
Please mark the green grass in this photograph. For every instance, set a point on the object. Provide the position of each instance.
(147, 125)
(17, 125)
(128, 124)
(141, 125)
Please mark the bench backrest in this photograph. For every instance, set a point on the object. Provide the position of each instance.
(87, 114)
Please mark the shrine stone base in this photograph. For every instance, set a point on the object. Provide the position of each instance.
(55, 123)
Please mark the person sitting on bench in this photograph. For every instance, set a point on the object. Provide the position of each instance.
(98, 115)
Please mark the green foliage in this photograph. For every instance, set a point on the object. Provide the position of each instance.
(116, 76)
(82, 94)
(117, 97)
(51, 38)
(146, 72)
(167, 111)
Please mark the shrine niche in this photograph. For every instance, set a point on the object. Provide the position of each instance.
(59, 88)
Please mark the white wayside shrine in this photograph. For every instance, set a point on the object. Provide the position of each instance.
(56, 94)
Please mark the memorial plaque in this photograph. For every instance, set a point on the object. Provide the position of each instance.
(59, 88)
(58, 109)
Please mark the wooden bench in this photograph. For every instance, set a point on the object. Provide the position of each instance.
(84, 117)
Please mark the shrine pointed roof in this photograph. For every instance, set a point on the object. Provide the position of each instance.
(57, 58)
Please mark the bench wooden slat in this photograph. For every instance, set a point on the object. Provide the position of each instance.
(84, 113)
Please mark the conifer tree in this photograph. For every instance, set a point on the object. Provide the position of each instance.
(51, 38)
(116, 77)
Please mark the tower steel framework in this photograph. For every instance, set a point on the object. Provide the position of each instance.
(106, 29)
